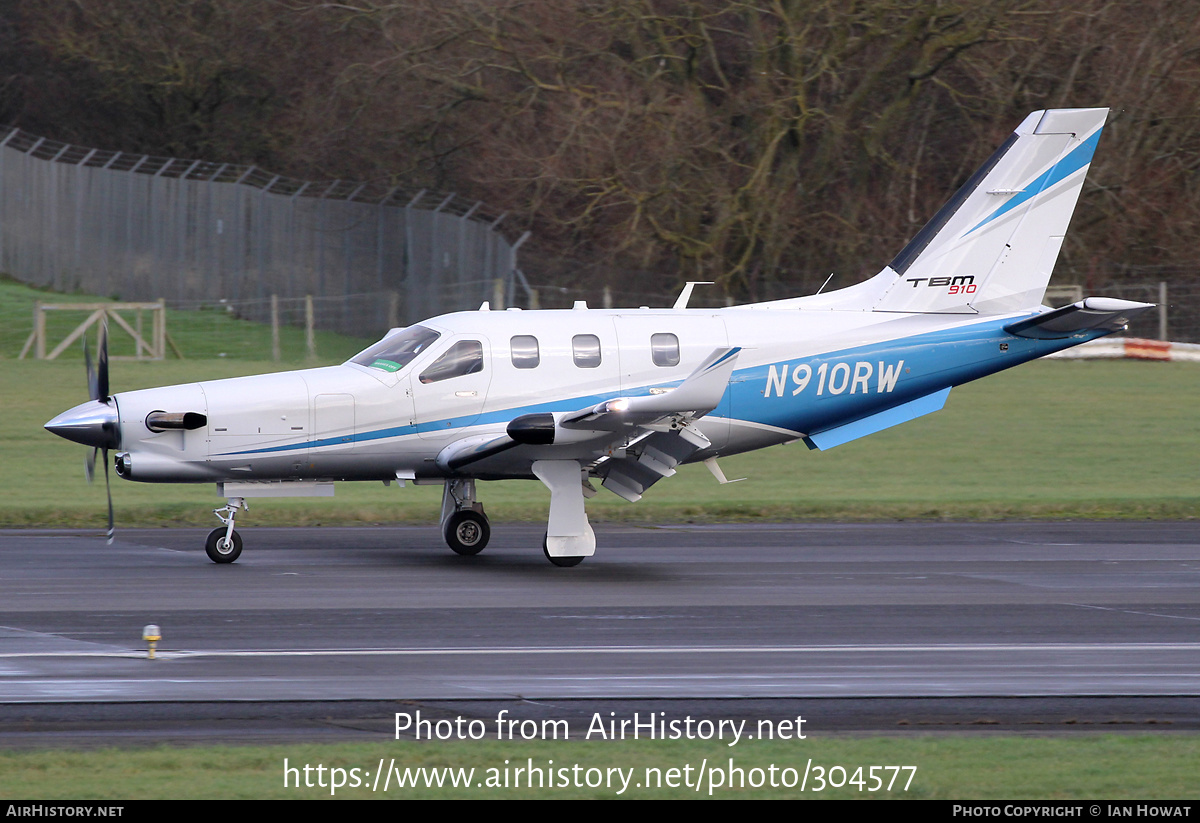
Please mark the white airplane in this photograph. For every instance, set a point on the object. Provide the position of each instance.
(622, 396)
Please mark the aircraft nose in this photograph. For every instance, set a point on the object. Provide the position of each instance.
(92, 424)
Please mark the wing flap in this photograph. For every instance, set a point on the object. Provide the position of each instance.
(649, 460)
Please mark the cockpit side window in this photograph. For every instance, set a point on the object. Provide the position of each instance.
(464, 357)
(395, 352)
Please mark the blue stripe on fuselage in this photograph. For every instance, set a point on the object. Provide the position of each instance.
(920, 364)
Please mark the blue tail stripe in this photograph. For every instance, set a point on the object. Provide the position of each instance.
(1064, 168)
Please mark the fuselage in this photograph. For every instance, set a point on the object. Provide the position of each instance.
(799, 371)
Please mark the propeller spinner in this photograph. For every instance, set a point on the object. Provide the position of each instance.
(95, 423)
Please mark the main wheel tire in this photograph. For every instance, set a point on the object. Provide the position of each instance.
(220, 551)
(467, 532)
(561, 562)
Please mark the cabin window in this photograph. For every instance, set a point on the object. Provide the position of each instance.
(525, 354)
(396, 351)
(464, 357)
(664, 348)
(586, 350)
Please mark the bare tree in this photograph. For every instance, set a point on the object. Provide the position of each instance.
(721, 140)
(747, 143)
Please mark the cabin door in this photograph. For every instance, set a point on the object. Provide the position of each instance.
(449, 394)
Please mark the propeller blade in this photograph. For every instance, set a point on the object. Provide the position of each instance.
(102, 366)
(91, 370)
(97, 378)
(108, 491)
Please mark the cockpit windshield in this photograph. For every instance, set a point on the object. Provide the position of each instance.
(397, 351)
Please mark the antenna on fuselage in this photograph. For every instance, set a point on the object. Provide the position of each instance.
(826, 283)
(686, 295)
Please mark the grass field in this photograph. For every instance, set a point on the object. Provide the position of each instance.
(947, 768)
(1050, 439)
(1095, 439)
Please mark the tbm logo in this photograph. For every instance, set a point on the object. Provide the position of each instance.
(959, 283)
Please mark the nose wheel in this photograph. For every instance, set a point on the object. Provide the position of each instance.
(223, 546)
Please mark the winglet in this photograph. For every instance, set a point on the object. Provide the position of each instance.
(698, 394)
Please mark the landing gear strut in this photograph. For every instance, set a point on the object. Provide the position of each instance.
(464, 525)
(224, 545)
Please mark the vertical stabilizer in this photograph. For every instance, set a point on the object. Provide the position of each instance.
(992, 247)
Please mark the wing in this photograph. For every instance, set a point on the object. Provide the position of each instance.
(694, 397)
(634, 440)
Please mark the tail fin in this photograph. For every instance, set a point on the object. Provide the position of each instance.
(992, 247)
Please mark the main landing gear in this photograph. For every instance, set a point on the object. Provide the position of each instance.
(224, 545)
(466, 532)
(465, 527)
(568, 539)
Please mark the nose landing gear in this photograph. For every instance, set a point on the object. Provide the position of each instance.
(224, 545)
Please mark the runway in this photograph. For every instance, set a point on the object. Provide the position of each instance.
(762, 611)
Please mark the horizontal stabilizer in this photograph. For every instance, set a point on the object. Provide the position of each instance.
(878, 422)
(1095, 313)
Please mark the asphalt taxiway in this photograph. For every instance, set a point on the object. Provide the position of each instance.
(903, 611)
